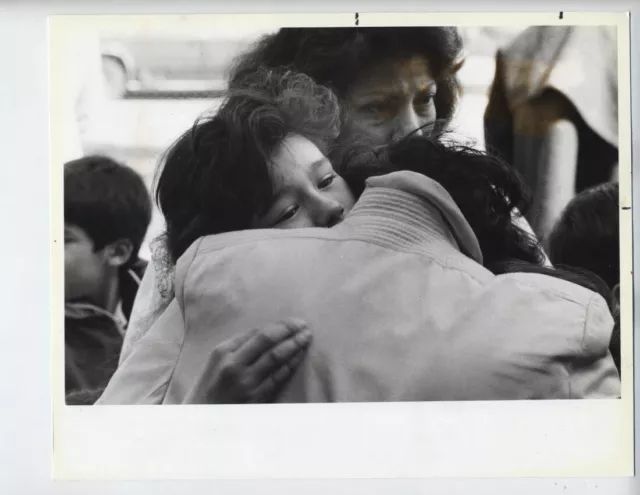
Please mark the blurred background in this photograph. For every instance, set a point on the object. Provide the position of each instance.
(156, 84)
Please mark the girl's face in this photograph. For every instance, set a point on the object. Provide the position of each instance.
(393, 98)
(307, 191)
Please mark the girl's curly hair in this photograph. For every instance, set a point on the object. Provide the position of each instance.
(335, 57)
(216, 177)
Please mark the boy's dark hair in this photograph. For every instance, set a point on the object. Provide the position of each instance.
(335, 57)
(216, 177)
(587, 235)
(106, 199)
(487, 191)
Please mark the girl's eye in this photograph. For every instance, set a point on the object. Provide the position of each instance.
(288, 214)
(327, 181)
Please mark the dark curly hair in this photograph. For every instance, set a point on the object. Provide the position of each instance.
(487, 190)
(216, 177)
(335, 57)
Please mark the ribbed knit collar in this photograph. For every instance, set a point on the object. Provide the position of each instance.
(407, 207)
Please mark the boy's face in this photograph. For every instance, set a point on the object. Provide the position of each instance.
(84, 269)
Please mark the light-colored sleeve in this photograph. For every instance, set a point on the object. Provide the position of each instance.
(594, 375)
(143, 313)
(546, 154)
(144, 376)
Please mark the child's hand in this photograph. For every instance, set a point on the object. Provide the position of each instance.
(253, 366)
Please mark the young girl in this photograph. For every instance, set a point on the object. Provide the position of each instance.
(260, 162)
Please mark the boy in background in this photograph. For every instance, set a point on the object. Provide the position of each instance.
(107, 211)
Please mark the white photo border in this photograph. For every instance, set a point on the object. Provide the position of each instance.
(304, 441)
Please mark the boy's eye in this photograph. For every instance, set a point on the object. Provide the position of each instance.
(327, 181)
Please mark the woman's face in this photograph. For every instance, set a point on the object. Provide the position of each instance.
(393, 98)
(308, 192)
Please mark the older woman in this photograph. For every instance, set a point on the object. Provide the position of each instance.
(391, 81)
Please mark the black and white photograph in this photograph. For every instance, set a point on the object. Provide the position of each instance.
(353, 213)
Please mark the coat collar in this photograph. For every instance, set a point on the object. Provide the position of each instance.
(418, 207)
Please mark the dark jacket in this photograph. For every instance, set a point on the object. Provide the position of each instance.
(93, 340)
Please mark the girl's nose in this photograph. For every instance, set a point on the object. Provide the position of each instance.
(328, 212)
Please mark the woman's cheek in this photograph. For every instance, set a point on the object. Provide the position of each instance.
(377, 130)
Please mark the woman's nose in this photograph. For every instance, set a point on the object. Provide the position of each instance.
(408, 122)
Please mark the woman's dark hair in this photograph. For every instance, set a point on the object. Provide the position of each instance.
(216, 177)
(488, 192)
(335, 57)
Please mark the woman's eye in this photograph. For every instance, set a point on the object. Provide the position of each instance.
(327, 181)
(288, 214)
(376, 108)
(423, 101)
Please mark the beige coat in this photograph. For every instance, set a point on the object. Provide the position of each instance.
(400, 306)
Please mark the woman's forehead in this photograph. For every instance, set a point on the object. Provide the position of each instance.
(394, 75)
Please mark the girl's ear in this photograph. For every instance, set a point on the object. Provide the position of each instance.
(118, 253)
